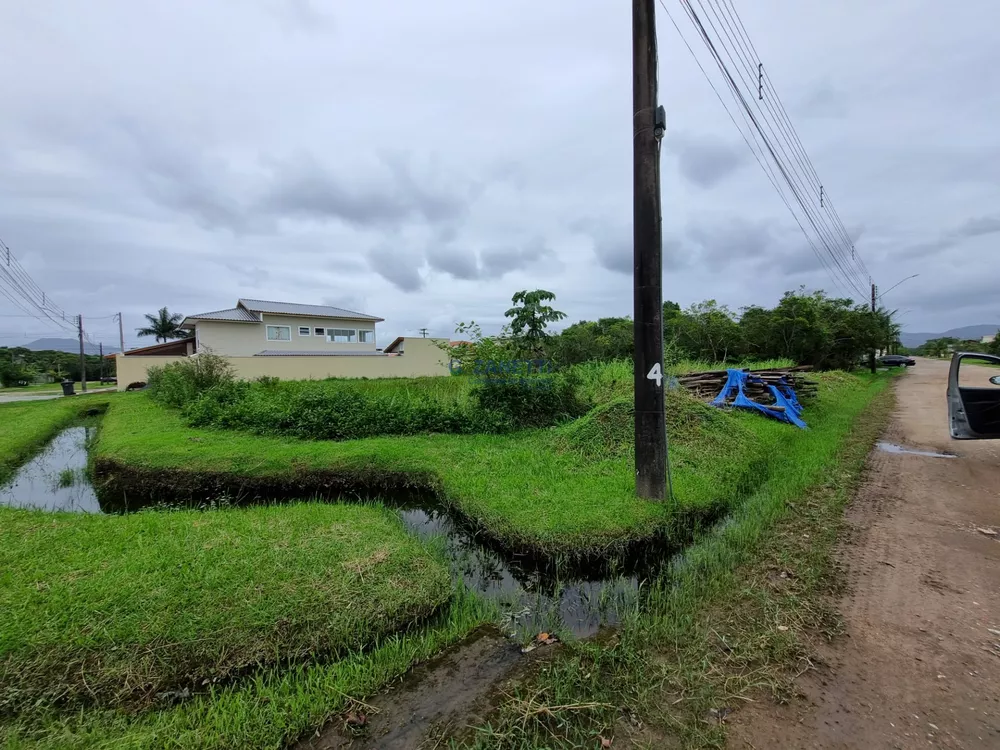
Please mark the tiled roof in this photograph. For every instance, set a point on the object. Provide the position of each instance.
(284, 353)
(233, 314)
(291, 308)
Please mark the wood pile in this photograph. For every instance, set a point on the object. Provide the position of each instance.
(707, 385)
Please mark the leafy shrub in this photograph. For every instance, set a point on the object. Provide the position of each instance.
(180, 383)
(529, 400)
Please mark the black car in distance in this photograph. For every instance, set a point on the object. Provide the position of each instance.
(896, 360)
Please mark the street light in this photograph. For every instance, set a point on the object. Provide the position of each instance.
(897, 284)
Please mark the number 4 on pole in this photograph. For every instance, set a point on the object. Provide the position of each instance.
(656, 373)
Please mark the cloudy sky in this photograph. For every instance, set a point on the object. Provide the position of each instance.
(424, 161)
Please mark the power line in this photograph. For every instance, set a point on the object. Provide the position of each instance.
(761, 159)
(788, 129)
(25, 293)
(793, 185)
(794, 168)
(771, 131)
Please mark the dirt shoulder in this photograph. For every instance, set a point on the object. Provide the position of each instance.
(920, 663)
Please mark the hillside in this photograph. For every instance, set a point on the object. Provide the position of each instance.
(911, 340)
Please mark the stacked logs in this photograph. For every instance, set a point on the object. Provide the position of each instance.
(707, 385)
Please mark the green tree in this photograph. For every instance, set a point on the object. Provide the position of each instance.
(708, 330)
(164, 326)
(994, 346)
(530, 316)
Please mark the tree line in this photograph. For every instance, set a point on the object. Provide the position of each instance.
(810, 328)
(942, 347)
(21, 366)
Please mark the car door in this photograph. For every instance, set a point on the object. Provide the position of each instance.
(974, 410)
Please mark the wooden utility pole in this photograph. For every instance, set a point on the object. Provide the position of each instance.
(121, 333)
(647, 129)
(871, 355)
(100, 344)
(83, 356)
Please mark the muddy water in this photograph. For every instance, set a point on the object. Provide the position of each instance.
(894, 448)
(56, 478)
(533, 595)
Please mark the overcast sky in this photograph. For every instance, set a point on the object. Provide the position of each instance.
(422, 161)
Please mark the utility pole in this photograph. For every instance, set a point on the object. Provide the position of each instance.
(871, 355)
(647, 130)
(100, 344)
(121, 333)
(423, 333)
(83, 356)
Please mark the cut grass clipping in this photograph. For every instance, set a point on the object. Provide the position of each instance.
(135, 607)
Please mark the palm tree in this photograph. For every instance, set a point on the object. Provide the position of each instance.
(164, 325)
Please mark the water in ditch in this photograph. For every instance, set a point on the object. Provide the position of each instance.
(533, 595)
(56, 479)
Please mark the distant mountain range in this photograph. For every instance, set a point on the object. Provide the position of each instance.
(911, 340)
(71, 346)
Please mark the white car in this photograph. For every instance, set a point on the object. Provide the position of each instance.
(973, 411)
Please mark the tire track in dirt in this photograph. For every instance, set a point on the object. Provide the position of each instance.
(919, 666)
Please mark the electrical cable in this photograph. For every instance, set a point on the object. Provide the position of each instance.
(786, 152)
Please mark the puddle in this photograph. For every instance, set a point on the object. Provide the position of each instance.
(56, 479)
(534, 595)
(893, 448)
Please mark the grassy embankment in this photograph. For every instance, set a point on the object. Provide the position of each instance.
(733, 620)
(279, 704)
(135, 610)
(549, 490)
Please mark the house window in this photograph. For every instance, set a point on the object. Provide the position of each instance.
(366, 337)
(340, 335)
(279, 333)
(319, 332)
(303, 330)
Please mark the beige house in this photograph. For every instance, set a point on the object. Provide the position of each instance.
(292, 342)
(259, 328)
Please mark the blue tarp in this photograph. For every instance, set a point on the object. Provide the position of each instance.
(783, 394)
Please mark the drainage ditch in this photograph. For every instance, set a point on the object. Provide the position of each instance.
(534, 593)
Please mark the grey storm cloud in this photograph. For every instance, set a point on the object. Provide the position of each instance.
(348, 152)
(732, 239)
(388, 195)
(824, 101)
(498, 261)
(461, 265)
(980, 226)
(707, 161)
(492, 263)
(615, 253)
(396, 268)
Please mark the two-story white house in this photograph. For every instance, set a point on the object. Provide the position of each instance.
(290, 341)
(259, 328)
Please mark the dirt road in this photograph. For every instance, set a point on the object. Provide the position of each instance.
(920, 666)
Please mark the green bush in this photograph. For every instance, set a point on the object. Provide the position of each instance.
(529, 400)
(180, 383)
(342, 409)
